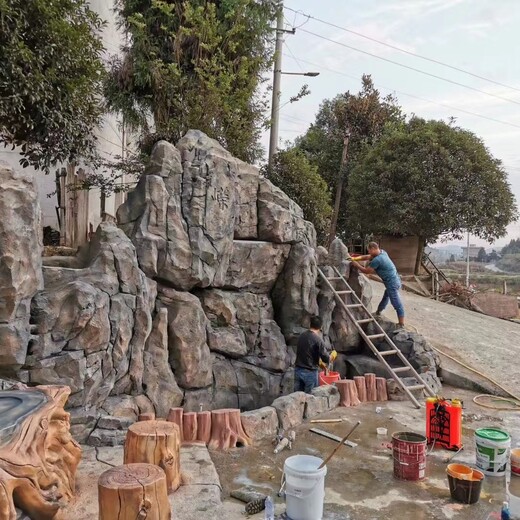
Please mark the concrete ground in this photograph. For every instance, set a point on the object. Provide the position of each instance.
(359, 484)
(487, 344)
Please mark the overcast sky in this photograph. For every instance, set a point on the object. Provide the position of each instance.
(480, 36)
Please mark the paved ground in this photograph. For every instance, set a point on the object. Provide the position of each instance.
(485, 343)
(360, 483)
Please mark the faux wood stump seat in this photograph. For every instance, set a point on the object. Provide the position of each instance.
(348, 392)
(156, 442)
(133, 492)
(226, 430)
(38, 456)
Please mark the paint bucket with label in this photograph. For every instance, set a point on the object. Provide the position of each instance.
(409, 455)
(492, 449)
(304, 487)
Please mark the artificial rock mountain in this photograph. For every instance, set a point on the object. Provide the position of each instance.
(195, 298)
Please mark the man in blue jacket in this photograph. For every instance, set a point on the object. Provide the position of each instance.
(380, 264)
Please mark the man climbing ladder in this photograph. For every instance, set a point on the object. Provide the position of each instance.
(380, 264)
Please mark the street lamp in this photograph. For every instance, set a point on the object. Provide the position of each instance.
(310, 74)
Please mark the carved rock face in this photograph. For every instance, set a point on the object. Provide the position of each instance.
(189, 352)
(20, 262)
(181, 216)
(90, 324)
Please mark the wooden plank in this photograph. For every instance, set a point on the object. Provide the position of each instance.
(332, 437)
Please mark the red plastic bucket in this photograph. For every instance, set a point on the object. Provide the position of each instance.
(409, 455)
(330, 378)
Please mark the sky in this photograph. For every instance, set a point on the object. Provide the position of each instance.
(479, 36)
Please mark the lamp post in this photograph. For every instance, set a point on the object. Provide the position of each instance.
(277, 76)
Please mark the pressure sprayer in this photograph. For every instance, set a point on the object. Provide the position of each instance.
(444, 422)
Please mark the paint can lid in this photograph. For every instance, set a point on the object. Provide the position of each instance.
(493, 434)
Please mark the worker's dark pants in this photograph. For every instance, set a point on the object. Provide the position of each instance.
(305, 380)
(392, 295)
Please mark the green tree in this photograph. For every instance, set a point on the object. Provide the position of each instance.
(482, 256)
(195, 64)
(363, 115)
(292, 173)
(512, 248)
(430, 179)
(50, 79)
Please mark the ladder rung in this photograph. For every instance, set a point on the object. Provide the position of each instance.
(415, 387)
(344, 292)
(388, 352)
(401, 369)
(352, 305)
(376, 336)
(367, 320)
(334, 278)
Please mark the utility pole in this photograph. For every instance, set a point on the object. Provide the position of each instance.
(277, 76)
(467, 264)
(339, 188)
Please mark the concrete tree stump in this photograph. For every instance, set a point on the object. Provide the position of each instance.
(38, 456)
(344, 394)
(146, 417)
(235, 423)
(353, 393)
(175, 415)
(189, 420)
(204, 427)
(156, 442)
(371, 387)
(226, 430)
(361, 388)
(133, 492)
(382, 394)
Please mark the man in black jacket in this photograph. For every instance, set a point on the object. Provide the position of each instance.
(310, 351)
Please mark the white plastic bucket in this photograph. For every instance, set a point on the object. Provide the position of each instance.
(492, 450)
(304, 487)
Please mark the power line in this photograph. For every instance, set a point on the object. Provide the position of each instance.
(400, 49)
(410, 68)
(413, 96)
(293, 56)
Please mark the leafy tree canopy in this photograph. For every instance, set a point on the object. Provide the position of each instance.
(512, 248)
(195, 64)
(50, 79)
(364, 115)
(292, 173)
(430, 178)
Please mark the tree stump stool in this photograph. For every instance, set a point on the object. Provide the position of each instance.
(382, 394)
(175, 415)
(189, 420)
(371, 387)
(226, 430)
(38, 456)
(204, 427)
(344, 394)
(352, 392)
(133, 492)
(361, 388)
(156, 442)
(149, 416)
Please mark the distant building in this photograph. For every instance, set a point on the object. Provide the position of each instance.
(473, 251)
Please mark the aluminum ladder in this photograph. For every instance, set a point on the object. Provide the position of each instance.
(379, 335)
